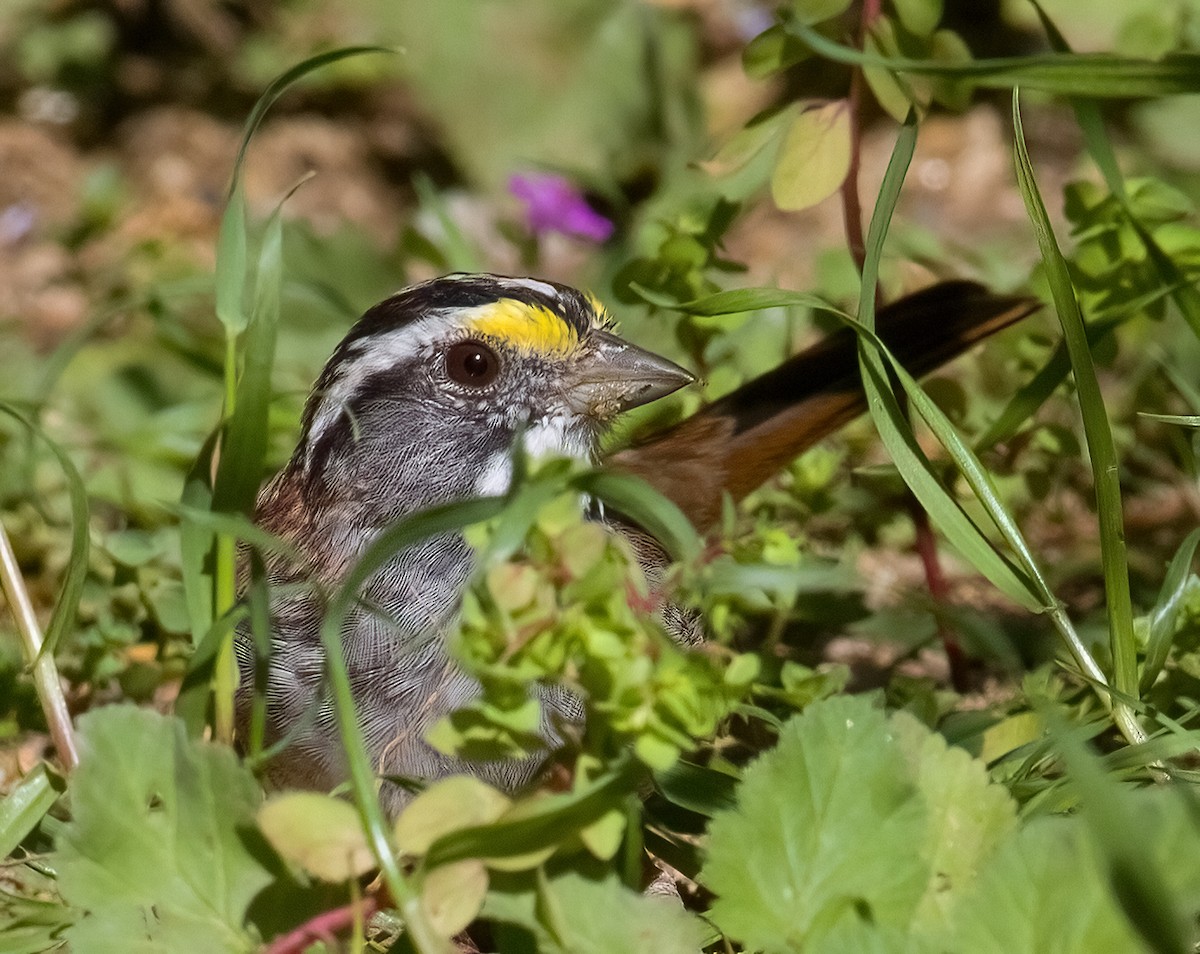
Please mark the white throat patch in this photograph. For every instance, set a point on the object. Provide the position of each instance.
(554, 436)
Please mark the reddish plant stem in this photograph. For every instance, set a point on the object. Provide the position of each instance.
(926, 542)
(323, 927)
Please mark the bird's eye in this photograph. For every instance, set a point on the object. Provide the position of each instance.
(472, 364)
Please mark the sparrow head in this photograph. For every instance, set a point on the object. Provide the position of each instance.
(430, 391)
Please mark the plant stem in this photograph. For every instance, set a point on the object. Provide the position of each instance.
(45, 673)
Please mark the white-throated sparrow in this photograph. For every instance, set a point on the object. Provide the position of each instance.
(422, 403)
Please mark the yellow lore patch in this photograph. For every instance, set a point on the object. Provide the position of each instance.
(530, 328)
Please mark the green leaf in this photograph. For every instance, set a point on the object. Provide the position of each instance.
(919, 16)
(319, 833)
(1101, 447)
(1175, 587)
(460, 801)
(792, 859)
(895, 93)
(1095, 75)
(771, 51)
(814, 157)
(737, 151)
(818, 11)
(25, 805)
(452, 895)
(154, 853)
(968, 817)
(587, 910)
(67, 606)
(1043, 893)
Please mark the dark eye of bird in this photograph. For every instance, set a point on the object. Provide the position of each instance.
(472, 364)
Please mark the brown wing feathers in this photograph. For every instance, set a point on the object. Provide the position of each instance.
(736, 443)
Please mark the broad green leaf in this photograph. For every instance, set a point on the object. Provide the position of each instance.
(814, 157)
(968, 817)
(154, 853)
(792, 860)
(319, 833)
(1043, 893)
(771, 51)
(747, 143)
(533, 826)
(895, 93)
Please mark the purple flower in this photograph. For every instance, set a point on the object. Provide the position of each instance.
(553, 204)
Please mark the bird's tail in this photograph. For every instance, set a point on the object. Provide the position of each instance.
(736, 443)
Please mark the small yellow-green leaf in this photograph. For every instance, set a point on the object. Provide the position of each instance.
(817, 11)
(603, 836)
(452, 895)
(1010, 734)
(815, 157)
(319, 833)
(745, 144)
(919, 16)
(460, 801)
(894, 93)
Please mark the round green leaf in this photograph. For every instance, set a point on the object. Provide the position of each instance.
(319, 833)
(460, 801)
(452, 895)
(815, 157)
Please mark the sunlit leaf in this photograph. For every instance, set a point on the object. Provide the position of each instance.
(814, 157)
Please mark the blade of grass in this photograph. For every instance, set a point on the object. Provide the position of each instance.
(1095, 75)
(26, 805)
(1166, 609)
(66, 607)
(1101, 449)
(395, 538)
(897, 435)
(460, 254)
(1091, 122)
(243, 449)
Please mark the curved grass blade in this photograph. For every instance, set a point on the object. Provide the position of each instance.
(26, 805)
(1101, 449)
(1094, 75)
(547, 823)
(1091, 122)
(66, 606)
(1166, 608)
(1023, 581)
(634, 498)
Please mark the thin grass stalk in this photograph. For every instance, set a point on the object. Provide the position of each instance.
(1101, 448)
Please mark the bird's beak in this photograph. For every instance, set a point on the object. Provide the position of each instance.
(618, 376)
